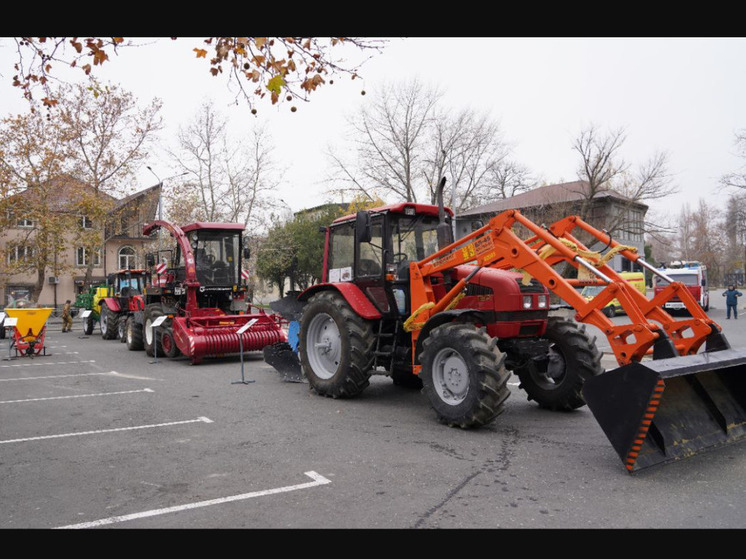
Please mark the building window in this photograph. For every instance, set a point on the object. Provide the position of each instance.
(20, 253)
(127, 258)
(25, 223)
(82, 257)
(85, 222)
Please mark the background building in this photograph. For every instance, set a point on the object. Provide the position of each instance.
(623, 218)
(73, 266)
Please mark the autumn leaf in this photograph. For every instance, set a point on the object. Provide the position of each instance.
(201, 53)
(275, 85)
(260, 41)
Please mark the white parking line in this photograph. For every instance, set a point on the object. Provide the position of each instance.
(317, 480)
(38, 364)
(58, 376)
(75, 396)
(200, 419)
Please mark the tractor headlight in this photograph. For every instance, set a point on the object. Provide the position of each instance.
(541, 301)
(527, 301)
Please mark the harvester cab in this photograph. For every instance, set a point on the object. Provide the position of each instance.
(400, 297)
(203, 293)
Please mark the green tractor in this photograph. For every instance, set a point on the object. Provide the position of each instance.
(91, 301)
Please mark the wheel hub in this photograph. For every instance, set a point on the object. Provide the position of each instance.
(450, 376)
(325, 344)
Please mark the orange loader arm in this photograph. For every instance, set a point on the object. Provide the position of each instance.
(496, 245)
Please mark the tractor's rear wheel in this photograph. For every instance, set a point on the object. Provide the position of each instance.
(463, 375)
(556, 382)
(109, 323)
(335, 346)
(133, 333)
(152, 338)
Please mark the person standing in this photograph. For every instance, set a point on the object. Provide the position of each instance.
(67, 319)
(731, 301)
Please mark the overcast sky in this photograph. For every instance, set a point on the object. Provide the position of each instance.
(681, 95)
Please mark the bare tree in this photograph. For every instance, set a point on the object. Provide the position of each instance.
(604, 170)
(737, 178)
(228, 180)
(391, 139)
(407, 140)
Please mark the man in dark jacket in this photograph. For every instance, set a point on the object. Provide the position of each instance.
(731, 301)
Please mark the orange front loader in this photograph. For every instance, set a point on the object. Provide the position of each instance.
(665, 401)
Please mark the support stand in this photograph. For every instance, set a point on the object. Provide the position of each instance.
(10, 325)
(241, 330)
(154, 332)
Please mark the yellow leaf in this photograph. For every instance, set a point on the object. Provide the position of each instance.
(275, 85)
(201, 53)
(260, 41)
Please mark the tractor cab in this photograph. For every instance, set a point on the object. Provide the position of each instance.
(373, 249)
(216, 254)
(124, 284)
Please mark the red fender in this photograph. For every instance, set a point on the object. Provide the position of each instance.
(111, 303)
(352, 294)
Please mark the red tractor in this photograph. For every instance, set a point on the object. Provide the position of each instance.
(123, 297)
(203, 296)
(400, 297)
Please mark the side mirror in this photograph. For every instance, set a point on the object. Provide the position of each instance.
(362, 227)
(246, 252)
(704, 282)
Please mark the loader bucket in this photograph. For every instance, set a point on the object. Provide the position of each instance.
(659, 411)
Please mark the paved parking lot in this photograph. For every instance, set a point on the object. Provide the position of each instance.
(93, 435)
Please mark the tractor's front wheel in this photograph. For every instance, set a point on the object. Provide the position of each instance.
(556, 380)
(133, 333)
(109, 323)
(88, 324)
(335, 346)
(170, 349)
(151, 338)
(463, 375)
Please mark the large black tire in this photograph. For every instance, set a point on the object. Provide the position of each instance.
(133, 333)
(122, 329)
(151, 337)
(109, 323)
(170, 349)
(88, 324)
(464, 375)
(556, 383)
(335, 346)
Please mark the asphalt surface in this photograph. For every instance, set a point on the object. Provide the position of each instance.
(94, 436)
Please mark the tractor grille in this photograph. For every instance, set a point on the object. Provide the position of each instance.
(534, 287)
(472, 290)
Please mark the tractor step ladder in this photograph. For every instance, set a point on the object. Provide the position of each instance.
(386, 354)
